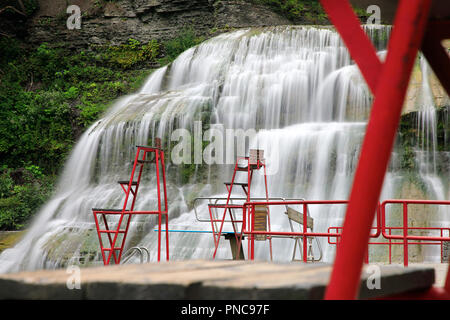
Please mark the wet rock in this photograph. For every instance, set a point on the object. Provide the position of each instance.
(105, 23)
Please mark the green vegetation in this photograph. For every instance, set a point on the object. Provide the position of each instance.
(49, 96)
(297, 10)
(304, 11)
(407, 139)
(173, 48)
(22, 191)
(132, 53)
(9, 239)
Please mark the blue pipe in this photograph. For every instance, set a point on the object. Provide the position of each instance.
(192, 231)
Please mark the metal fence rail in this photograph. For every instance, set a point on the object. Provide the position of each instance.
(381, 229)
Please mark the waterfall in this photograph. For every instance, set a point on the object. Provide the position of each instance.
(427, 155)
(295, 86)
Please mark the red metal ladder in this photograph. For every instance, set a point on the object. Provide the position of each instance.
(248, 165)
(116, 236)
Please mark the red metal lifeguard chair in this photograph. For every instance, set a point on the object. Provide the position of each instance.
(116, 235)
(247, 165)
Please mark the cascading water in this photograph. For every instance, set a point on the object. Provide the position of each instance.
(427, 155)
(294, 85)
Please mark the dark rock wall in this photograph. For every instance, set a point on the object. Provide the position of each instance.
(116, 21)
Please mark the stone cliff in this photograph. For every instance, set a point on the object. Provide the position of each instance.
(114, 22)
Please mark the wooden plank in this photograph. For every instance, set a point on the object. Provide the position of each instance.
(296, 216)
(260, 222)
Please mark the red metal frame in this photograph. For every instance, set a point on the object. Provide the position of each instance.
(248, 226)
(405, 237)
(248, 229)
(389, 243)
(124, 212)
(249, 167)
(389, 83)
(380, 229)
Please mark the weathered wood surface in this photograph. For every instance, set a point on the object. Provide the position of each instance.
(199, 279)
(297, 216)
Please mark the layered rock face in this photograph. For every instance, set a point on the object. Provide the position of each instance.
(116, 21)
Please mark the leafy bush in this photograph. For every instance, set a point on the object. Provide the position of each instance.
(128, 55)
(19, 201)
(307, 11)
(72, 93)
(30, 6)
(49, 95)
(6, 184)
(304, 11)
(173, 48)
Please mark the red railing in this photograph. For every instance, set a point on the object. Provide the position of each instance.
(248, 222)
(390, 242)
(379, 230)
(406, 237)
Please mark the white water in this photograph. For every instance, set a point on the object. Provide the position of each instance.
(294, 84)
(427, 157)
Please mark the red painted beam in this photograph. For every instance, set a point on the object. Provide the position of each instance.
(358, 43)
(408, 31)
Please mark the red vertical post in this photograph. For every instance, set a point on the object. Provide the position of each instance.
(268, 212)
(166, 208)
(252, 228)
(159, 203)
(405, 234)
(305, 238)
(252, 214)
(410, 23)
(390, 248)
